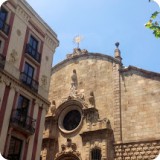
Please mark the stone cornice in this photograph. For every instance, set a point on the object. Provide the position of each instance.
(20, 85)
(85, 56)
(138, 141)
(38, 17)
(146, 72)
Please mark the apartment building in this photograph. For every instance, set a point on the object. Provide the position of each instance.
(27, 45)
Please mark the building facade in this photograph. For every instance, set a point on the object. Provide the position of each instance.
(101, 110)
(27, 45)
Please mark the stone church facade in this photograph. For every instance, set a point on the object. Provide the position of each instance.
(101, 110)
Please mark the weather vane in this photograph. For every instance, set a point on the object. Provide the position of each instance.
(77, 39)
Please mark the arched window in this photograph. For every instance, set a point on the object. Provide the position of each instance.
(96, 154)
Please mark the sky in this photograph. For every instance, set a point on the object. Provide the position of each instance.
(102, 23)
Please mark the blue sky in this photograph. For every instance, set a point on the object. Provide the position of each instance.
(102, 23)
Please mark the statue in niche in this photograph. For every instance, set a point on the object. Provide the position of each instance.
(74, 84)
(92, 99)
(53, 107)
(74, 79)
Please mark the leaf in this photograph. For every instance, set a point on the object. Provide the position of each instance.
(148, 24)
(154, 15)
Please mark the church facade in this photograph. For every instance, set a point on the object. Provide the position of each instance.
(101, 110)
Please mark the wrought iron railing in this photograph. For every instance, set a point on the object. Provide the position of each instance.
(23, 121)
(33, 53)
(4, 27)
(29, 81)
(2, 61)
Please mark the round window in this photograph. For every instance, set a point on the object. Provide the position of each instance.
(71, 120)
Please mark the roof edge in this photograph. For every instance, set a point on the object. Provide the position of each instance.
(130, 67)
(88, 55)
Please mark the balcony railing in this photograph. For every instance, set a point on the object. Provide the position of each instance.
(23, 122)
(2, 61)
(4, 27)
(29, 81)
(33, 53)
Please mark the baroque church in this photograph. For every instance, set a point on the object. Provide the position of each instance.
(101, 110)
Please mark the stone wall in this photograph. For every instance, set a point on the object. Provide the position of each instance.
(145, 150)
(140, 105)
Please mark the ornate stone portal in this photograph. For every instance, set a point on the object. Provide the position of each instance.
(68, 152)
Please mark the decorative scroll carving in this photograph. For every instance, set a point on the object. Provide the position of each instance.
(68, 149)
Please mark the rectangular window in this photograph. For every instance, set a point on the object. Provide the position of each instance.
(15, 148)
(3, 17)
(23, 103)
(22, 110)
(32, 48)
(33, 44)
(29, 72)
(27, 77)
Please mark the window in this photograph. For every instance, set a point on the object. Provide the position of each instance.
(15, 147)
(23, 104)
(3, 17)
(29, 72)
(27, 77)
(33, 44)
(32, 48)
(96, 154)
(72, 120)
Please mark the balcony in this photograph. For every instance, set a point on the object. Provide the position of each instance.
(33, 53)
(29, 81)
(2, 61)
(4, 27)
(23, 122)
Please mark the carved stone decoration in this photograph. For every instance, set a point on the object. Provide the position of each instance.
(92, 116)
(44, 80)
(74, 79)
(13, 56)
(20, 11)
(84, 51)
(53, 107)
(74, 85)
(68, 150)
(19, 32)
(77, 52)
(92, 99)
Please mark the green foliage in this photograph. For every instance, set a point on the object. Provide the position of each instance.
(153, 24)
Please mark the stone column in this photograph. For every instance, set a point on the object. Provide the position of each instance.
(117, 96)
(2, 89)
